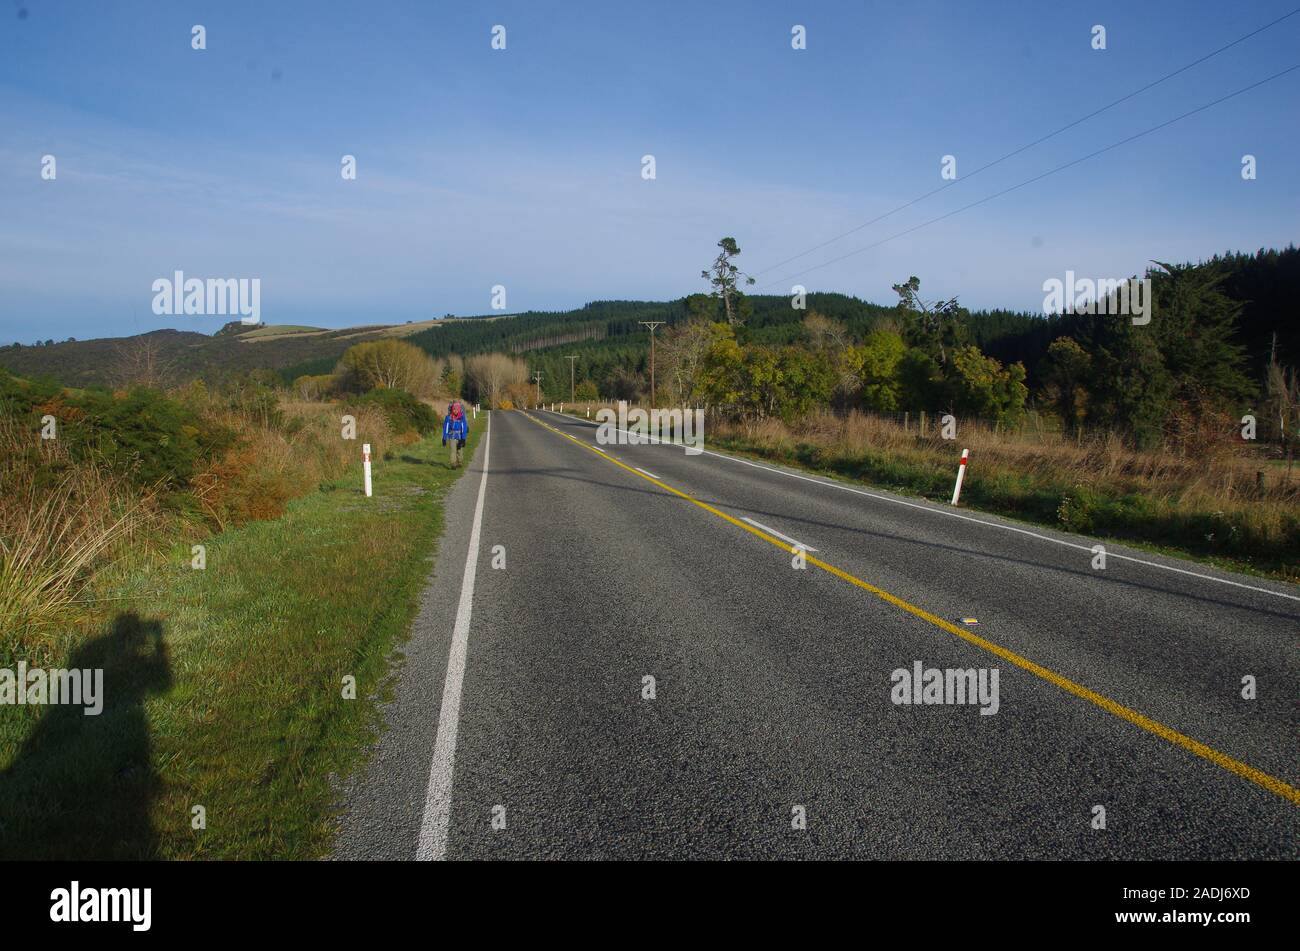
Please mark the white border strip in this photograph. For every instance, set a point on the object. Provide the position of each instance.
(435, 822)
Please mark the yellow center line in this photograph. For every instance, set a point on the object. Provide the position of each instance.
(1244, 770)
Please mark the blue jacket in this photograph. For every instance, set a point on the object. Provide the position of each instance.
(455, 428)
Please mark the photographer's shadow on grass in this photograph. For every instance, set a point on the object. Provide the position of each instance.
(83, 787)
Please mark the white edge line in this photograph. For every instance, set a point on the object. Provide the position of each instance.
(435, 821)
(773, 531)
(967, 518)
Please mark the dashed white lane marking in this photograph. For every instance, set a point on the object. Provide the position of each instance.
(644, 472)
(436, 820)
(773, 531)
(978, 521)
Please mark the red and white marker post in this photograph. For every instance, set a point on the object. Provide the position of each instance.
(961, 474)
(365, 465)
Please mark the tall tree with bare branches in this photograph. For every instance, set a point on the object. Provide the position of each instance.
(141, 361)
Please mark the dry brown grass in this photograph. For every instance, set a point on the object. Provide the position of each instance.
(270, 465)
(1219, 475)
(60, 522)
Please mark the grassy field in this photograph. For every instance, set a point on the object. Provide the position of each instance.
(225, 686)
(277, 331)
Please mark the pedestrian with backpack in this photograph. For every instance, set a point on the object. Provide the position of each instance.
(455, 430)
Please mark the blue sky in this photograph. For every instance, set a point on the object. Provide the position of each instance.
(522, 167)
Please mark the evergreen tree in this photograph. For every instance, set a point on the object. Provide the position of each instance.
(1129, 385)
(1195, 324)
(726, 278)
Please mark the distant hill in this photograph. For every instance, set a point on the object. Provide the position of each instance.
(183, 355)
(611, 343)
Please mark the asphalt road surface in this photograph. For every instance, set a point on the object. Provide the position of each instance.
(522, 724)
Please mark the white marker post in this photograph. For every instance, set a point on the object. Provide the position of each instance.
(365, 464)
(961, 474)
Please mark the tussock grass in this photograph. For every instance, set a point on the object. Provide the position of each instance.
(60, 521)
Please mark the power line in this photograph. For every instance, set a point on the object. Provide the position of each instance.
(1039, 141)
(1040, 177)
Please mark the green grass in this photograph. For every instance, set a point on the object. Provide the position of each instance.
(224, 686)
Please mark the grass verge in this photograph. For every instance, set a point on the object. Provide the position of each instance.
(1265, 543)
(224, 687)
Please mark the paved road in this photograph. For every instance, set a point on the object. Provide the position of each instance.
(773, 684)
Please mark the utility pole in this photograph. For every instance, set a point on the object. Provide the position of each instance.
(571, 358)
(537, 377)
(653, 325)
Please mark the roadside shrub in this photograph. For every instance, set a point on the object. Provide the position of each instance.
(315, 387)
(265, 469)
(257, 403)
(150, 439)
(239, 487)
(517, 394)
(390, 364)
(19, 397)
(1075, 513)
(403, 411)
(144, 436)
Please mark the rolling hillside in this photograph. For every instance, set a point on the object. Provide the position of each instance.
(181, 355)
(610, 341)
(607, 334)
